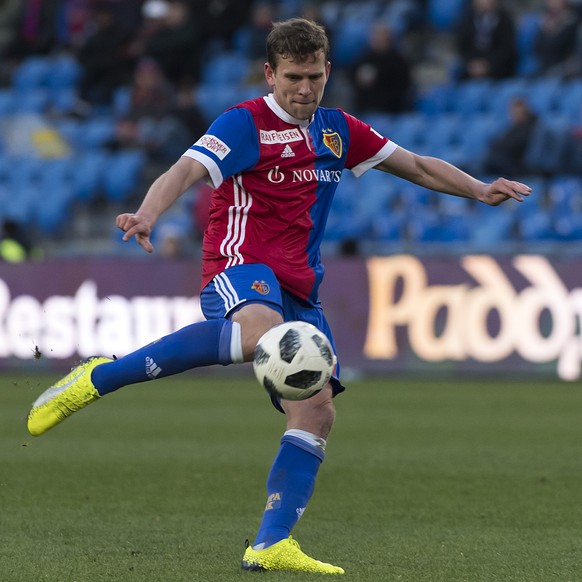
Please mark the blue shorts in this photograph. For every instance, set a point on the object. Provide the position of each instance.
(256, 283)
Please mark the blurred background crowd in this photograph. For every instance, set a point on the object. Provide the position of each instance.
(97, 97)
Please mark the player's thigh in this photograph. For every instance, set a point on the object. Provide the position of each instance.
(255, 319)
(248, 294)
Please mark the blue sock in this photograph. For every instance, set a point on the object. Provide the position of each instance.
(201, 344)
(289, 487)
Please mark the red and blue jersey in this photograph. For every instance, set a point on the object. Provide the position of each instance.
(275, 178)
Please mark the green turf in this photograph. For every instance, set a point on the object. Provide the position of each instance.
(424, 481)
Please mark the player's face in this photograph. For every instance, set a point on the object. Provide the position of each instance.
(298, 87)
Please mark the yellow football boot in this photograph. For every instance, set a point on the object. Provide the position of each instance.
(73, 392)
(285, 555)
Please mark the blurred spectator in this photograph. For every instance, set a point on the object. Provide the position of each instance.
(556, 40)
(187, 111)
(9, 10)
(486, 42)
(129, 12)
(170, 36)
(104, 56)
(254, 34)
(36, 29)
(14, 245)
(573, 157)
(506, 152)
(251, 37)
(159, 120)
(172, 241)
(382, 77)
(220, 19)
(74, 22)
(201, 208)
(571, 68)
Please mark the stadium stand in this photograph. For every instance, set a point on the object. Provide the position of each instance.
(69, 165)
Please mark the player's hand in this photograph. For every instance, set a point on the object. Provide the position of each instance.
(502, 190)
(138, 226)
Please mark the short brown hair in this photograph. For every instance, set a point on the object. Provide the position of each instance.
(298, 39)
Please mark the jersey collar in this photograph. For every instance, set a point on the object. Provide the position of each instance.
(282, 114)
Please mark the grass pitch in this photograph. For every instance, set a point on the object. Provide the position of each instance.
(424, 481)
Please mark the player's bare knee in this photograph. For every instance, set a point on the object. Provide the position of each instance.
(315, 415)
(255, 319)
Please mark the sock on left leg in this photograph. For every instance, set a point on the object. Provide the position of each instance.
(290, 485)
(205, 343)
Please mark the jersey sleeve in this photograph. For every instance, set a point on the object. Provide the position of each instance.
(367, 147)
(230, 146)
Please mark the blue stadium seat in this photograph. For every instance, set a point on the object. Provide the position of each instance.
(6, 102)
(23, 198)
(547, 147)
(401, 15)
(389, 227)
(544, 95)
(5, 169)
(474, 97)
(123, 173)
(415, 199)
(488, 226)
(122, 101)
(65, 72)
(72, 131)
(569, 102)
(227, 68)
(350, 40)
(214, 100)
(98, 131)
(31, 101)
(528, 26)
(63, 99)
(88, 174)
(436, 99)
(504, 92)
(52, 213)
(537, 227)
(565, 196)
(33, 73)
(383, 123)
(25, 171)
(443, 14)
(445, 130)
(426, 226)
(410, 130)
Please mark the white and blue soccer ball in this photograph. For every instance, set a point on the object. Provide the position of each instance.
(294, 360)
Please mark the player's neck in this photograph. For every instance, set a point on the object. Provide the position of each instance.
(283, 115)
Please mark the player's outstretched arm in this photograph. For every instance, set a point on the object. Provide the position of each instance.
(161, 195)
(436, 174)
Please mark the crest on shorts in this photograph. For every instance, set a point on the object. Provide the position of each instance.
(333, 141)
(261, 287)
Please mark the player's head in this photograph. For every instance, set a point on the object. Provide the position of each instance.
(296, 39)
(297, 65)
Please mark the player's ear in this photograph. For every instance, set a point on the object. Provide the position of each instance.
(327, 70)
(270, 75)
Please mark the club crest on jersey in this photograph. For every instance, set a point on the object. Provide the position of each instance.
(333, 142)
(261, 287)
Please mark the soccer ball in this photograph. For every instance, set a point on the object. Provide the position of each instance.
(294, 360)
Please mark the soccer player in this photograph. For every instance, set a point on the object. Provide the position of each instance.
(274, 163)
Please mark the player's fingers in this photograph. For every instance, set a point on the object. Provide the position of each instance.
(125, 221)
(144, 242)
(515, 190)
(522, 188)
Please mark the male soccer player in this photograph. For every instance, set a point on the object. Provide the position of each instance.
(274, 163)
